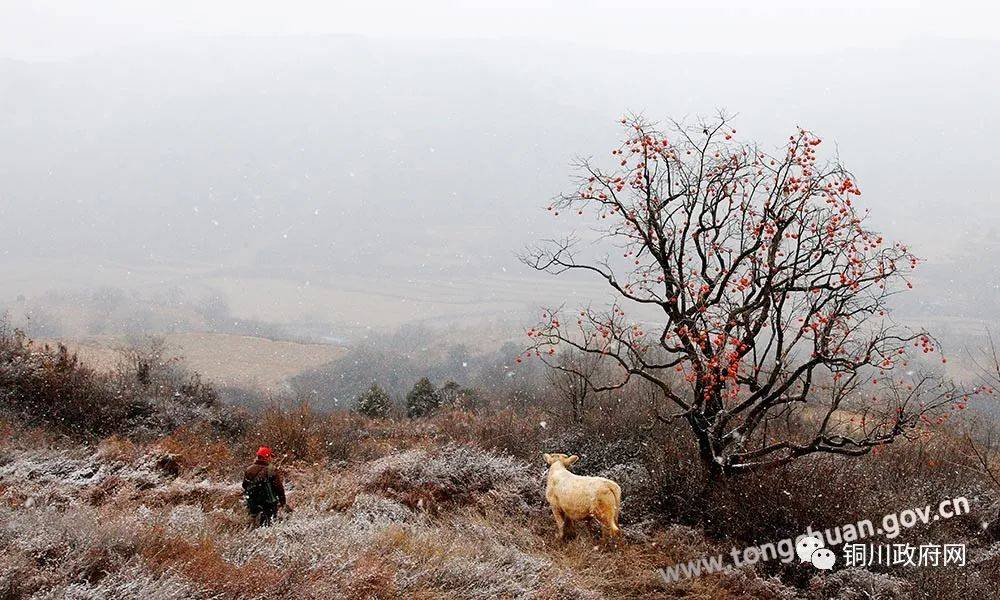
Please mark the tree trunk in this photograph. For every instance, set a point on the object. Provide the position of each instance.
(701, 429)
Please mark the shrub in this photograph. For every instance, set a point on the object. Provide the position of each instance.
(519, 433)
(47, 386)
(195, 448)
(374, 402)
(422, 399)
(305, 434)
(148, 395)
(454, 395)
(454, 475)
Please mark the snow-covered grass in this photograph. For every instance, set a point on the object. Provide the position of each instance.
(455, 474)
(123, 520)
(418, 510)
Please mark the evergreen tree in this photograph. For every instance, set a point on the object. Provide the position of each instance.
(422, 399)
(374, 402)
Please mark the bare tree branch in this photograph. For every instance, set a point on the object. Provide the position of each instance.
(770, 294)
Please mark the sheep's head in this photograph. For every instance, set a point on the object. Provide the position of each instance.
(566, 461)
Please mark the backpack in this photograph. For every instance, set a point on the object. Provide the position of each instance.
(260, 491)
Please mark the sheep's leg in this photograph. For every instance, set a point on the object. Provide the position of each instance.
(614, 529)
(560, 522)
(609, 528)
(570, 530)
(605, 522)
(608, 517)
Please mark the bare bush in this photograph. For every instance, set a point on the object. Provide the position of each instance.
(453, 475)
(148, 395)
(303, 433)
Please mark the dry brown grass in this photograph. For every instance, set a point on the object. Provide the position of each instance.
(448, 506)
(202, 563)
(195, 447)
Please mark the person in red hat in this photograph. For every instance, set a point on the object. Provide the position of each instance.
(264, 489)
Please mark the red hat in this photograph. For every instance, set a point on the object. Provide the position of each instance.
(264, 453)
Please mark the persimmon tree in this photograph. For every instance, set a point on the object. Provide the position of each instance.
(759, 294)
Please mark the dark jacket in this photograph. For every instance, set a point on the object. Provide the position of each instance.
(259, 470)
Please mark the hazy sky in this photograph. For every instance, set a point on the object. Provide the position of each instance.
(253, 151)
(37, 29)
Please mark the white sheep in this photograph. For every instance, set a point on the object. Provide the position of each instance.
(575, 498)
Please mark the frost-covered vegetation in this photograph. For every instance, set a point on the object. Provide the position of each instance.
(447, 505)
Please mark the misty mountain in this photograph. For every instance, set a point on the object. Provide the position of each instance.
(315, 157)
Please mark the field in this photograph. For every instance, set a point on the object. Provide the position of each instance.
(206, 311)
(225, 359)
(349, 304)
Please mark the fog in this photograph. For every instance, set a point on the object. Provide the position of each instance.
(339, 168)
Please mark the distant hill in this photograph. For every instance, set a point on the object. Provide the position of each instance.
(327, 171)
